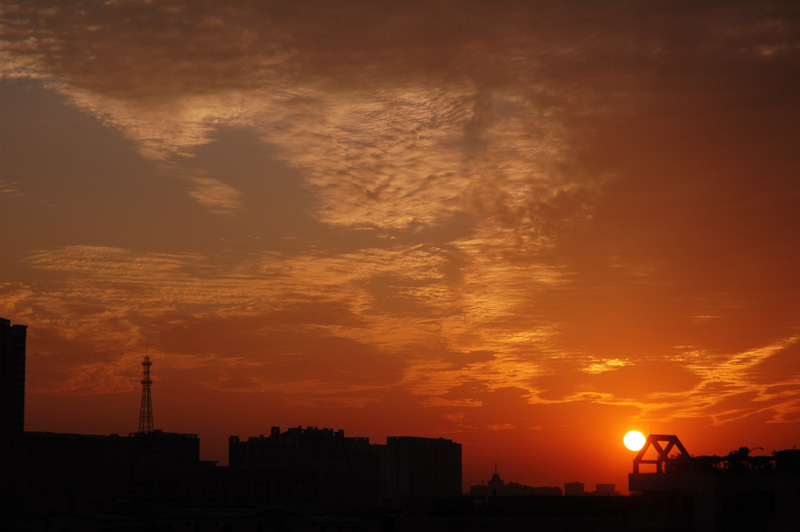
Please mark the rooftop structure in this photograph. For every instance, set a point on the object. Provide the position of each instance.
(496, 487)
(732, 492)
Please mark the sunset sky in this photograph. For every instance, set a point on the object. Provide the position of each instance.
(525, 226)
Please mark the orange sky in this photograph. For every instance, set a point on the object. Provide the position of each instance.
(525, 226)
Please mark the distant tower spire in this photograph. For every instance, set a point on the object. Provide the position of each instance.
(146, 411)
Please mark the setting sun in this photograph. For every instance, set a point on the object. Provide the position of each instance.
(634, 440)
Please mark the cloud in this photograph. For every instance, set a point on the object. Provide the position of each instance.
(216, 196)
(110, 263)
(9, 189)
(295, 310)
(582, 204)
(380, 154)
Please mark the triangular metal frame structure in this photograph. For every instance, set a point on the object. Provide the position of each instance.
(663, 444)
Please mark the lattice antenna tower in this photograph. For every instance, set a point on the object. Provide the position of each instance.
(146, 410)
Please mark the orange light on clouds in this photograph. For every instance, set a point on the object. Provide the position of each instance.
(634, 440)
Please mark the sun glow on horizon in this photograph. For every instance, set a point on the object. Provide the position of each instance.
(634, 440)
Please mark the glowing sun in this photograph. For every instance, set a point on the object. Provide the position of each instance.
(634, 440)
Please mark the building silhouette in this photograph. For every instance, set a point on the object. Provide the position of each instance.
(421, 467)
(719, 493)
(313, 465)
(574, 489)
(497, 487)
(319, 479)
(12, 404)
(605, 490)
(12, 379)
(101, 473)
(47, 477)
(306, 466)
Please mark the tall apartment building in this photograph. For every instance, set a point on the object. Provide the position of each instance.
(421, 467)
(12, 405)
(306, 466)
(12, 380)
(315, 465)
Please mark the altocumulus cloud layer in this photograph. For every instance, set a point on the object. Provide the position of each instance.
(485, 207)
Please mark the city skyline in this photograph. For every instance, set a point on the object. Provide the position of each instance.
(152, 476)
(528, 227)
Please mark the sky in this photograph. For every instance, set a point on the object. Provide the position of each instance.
(526, 226)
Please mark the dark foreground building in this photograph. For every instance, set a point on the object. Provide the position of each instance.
(86, 472)
(319, 480)
(12, 384)
(496, 487)
(306, 466)
(12, 406)
(78, 481)
(421, 467)
(737, 492)
(322, 466)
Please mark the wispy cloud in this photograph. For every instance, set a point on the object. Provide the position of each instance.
(9, 190)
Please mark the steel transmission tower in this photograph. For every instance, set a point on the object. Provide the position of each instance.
(146, 411)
